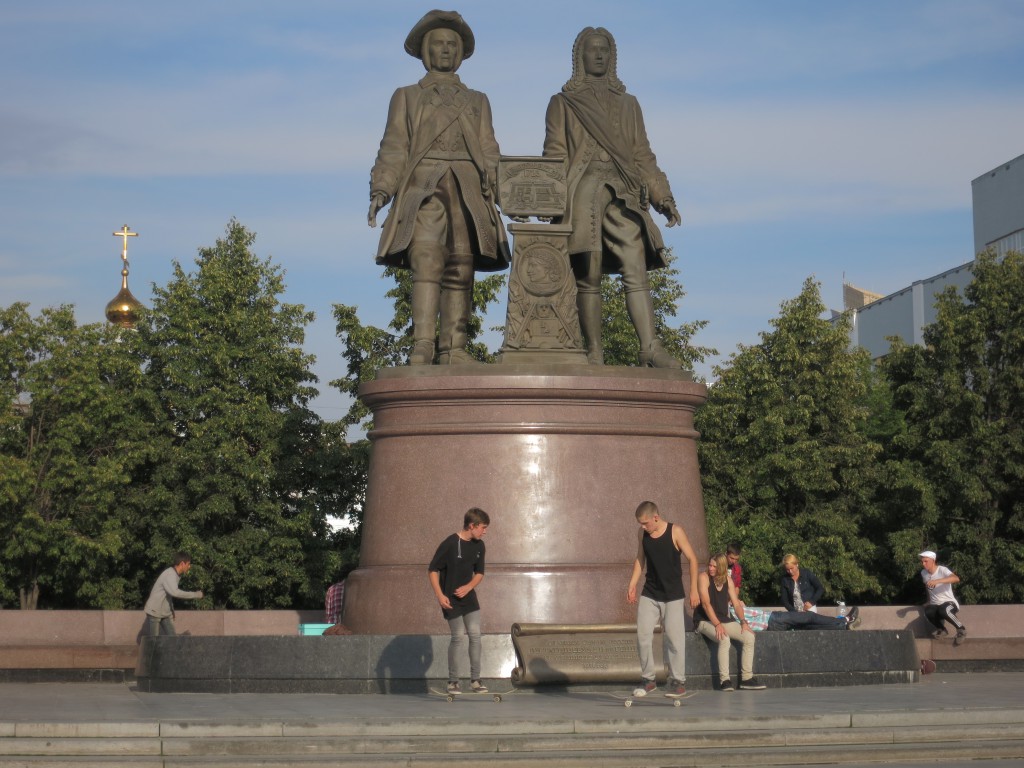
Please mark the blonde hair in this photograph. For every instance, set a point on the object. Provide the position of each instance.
(721, 568)
(787, 559)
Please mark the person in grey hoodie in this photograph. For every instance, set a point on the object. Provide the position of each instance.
(160, 605)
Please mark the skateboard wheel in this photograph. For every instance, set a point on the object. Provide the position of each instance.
(677, 703)
(627, 703)
(497, 698)
(449, 697)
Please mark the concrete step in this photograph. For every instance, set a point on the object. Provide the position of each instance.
(636, 758)
(595, 744)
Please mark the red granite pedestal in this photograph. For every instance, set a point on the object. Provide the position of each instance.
(558, 455)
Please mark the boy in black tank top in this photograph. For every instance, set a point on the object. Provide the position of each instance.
(659, 545)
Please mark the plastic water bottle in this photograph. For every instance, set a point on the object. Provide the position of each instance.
(842, 609)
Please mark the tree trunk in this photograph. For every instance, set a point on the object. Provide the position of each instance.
(30, 597)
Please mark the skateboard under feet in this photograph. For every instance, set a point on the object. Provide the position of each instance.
(493, 696)
(627, 698)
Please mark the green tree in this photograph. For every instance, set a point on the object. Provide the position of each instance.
(962, 397)
(237, 478)
(68, 449)
(785, 461)
(900, 487)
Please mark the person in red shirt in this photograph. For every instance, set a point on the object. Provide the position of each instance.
(733, 552)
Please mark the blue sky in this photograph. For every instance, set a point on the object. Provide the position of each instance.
(801, 138)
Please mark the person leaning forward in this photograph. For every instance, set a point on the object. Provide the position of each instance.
(799, 589)
(437, 166)
(663, 599)
(159, 607)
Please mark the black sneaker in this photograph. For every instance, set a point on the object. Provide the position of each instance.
(751, 684)
(853, 618)
(647, 686)
(477, 687)
(961, 635)
(726, 686)
(453, 687)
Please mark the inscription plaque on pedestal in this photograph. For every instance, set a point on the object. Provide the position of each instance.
(569, 654)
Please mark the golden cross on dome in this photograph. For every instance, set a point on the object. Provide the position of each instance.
(125, 233)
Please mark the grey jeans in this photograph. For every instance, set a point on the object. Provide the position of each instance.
(672, 616)
(157, 626)
(461, 626)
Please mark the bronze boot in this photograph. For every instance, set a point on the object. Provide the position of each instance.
(641, 312)
(456, 304)
(425, 301)
(589, 306)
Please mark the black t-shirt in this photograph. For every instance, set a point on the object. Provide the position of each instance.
(456, 562)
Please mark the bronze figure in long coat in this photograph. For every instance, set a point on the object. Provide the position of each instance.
(437, 165)
(613, 179)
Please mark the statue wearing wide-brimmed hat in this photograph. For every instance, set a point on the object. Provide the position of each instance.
(437, 167)
(440, 20)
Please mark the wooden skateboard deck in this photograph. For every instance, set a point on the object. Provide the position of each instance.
(627, 698)
(492, 695)
(927, 666)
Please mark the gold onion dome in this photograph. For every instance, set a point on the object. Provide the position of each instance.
(124, 309)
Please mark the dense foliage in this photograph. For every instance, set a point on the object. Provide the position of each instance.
(191, 432)
(962, 398)
(808, 448)
(785, 464)
(68, 453)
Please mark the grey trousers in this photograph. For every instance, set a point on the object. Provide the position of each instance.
(672, 617)
(157, 626)
(462, 626)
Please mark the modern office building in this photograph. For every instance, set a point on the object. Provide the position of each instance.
(998, 203)
(998, 198)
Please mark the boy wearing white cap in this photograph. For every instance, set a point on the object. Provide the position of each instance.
(942, 604)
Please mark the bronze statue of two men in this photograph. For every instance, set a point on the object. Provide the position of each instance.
(437, 166)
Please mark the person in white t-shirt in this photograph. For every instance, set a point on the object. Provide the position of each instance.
(942, 603)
